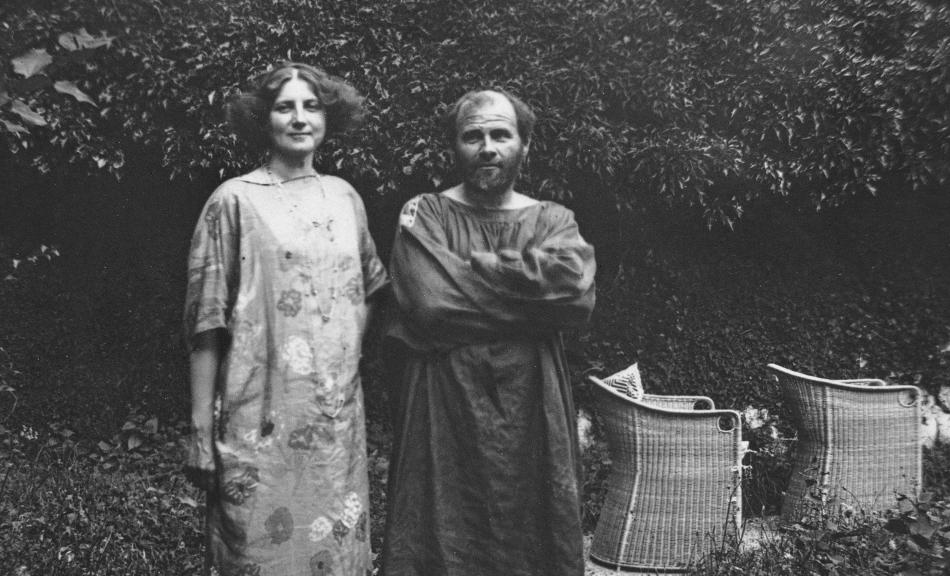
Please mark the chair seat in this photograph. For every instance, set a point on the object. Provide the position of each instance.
(673, 493)
(858, 444)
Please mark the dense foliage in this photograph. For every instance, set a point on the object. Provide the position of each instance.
(694, 103)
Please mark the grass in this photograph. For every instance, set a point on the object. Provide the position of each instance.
(77, 507)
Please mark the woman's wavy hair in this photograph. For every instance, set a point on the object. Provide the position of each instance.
(523, 112)
(248, 112)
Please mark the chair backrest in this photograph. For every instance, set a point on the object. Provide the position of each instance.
(859, 441)
(865, 402)
(675, 482)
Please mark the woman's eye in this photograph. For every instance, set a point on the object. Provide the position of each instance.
(314, 106)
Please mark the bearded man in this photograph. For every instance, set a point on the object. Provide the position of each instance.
(484, 478)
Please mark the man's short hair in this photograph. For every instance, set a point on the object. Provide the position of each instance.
(523, 112)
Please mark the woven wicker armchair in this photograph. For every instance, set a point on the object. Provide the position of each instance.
(674, 488)
(858, 444)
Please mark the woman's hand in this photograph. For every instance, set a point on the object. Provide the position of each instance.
(199, 446)
(199, 459)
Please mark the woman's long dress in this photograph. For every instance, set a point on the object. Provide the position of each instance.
(485, 475)
(286, 270)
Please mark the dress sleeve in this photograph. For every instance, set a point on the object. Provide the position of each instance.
(374, 273)
(213, 262)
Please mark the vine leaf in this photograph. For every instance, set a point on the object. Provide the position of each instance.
(83, 40)
(33, 62)
(27, 114)
(67, 87)
(13, 127)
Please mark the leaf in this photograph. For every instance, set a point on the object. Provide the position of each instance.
(14, 128)
(32, 62)
(134, 441)
(83, 40)
(104, 446)
(4, 98)
(28, 115)
(151, 425)
(67, 87)
(188, 501)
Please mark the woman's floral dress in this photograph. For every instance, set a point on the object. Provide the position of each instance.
(286, 270)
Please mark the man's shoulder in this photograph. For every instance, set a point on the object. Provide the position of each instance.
(555, 210)
(426, 202)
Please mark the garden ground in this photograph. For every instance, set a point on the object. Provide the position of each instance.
(93, 394)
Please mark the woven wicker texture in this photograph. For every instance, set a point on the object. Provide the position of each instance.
(673, 492)
(858, 444)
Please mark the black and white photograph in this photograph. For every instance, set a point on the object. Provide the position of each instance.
(474, 288)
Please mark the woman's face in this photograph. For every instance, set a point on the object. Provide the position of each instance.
(297, 120)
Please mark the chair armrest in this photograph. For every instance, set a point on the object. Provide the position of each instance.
(678, 402)
(864, 382)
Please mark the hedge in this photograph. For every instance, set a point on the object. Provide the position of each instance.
(688, 103)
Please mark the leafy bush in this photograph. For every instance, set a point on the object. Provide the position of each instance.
(692, 103)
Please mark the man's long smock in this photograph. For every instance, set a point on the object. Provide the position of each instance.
(485, 474)
(286, 271)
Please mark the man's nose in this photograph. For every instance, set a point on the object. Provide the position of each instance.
(488, 148)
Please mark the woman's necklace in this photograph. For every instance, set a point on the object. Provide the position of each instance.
(326, 225)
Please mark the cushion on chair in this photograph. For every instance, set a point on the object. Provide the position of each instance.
(627, 381)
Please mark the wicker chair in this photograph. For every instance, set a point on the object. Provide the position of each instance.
(858, 444)
(674, 487)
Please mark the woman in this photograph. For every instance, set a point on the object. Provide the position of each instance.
(280, 273)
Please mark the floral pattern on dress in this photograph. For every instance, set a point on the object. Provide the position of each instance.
(351, 510)
(212, 217)
(298, 355)
(239, 488)
(321, 564)
(310, 437)
(284, 371)
(340, 531)
(290, 302)
(353, 290)
(280, 525)
(361, 527)
(320, 529)
(249, 569)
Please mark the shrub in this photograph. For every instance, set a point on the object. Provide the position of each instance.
(693, 103)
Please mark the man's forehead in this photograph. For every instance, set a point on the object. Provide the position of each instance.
(488, 107)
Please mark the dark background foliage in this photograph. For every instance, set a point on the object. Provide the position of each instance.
(691, 103)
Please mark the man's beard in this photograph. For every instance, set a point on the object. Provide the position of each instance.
(493, 182)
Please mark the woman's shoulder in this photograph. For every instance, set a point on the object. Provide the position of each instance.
(335, 184)
(233, 188)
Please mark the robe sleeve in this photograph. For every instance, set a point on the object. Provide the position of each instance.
(546, 286)
(556, 267)
(374, 273)
(213, 266)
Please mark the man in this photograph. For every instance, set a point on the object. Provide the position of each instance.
(485, 468)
